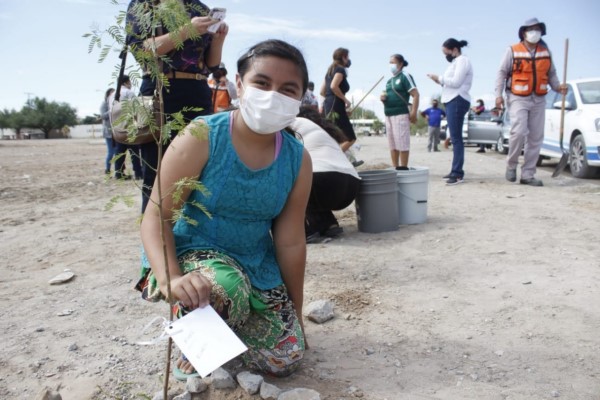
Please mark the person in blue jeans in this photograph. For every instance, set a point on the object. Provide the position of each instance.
(456, 82)
(187, 70)
(107, 131)
(121, 151)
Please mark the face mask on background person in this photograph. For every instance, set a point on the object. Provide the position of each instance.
(349, 63)
(265, 111)
(533, 36)
(394, 68)
(450, 58)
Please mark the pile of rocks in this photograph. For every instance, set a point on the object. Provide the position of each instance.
(252, 384)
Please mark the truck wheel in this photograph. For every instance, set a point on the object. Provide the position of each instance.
(500, 147)
(578, 159)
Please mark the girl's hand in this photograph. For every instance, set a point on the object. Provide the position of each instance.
(201, 24)
(192, 290)
(434, 78)
(221, 33)
(412, 117)
(499, 103)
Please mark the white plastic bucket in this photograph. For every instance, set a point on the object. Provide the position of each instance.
(412, 195)
(377, 201)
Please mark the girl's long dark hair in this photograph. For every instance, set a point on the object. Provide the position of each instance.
(274, 48)
(338, 56)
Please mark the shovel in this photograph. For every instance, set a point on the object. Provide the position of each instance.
(564, 159)
(364, 97)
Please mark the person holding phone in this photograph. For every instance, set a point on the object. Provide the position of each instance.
(456, 82)
(186, 70)
(244, 251)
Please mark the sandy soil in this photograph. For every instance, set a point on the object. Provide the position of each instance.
(495, 297)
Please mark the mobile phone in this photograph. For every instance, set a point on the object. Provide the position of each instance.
(217, 13)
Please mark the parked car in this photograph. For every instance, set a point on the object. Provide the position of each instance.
(581, 127)
(488, 128)
(443, 129)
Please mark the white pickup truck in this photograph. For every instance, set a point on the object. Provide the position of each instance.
(581, 136)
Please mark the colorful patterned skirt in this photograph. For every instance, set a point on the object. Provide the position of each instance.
(265, 320)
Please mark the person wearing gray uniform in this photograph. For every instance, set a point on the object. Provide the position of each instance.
(526, 72)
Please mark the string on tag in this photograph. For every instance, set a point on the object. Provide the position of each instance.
(166, 325)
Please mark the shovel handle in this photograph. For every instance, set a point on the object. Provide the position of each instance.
(564, 95)
(364, 97)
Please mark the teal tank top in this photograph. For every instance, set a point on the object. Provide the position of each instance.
(242, 204)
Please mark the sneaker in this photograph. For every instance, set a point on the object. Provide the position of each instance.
(313, 238)
(436, 150)
(402, 168)
(480, 151)
(454, 181)
(447, 176)
(357, 163)
(511, 175)
(531, 182)
(333, 231)
(123, 177)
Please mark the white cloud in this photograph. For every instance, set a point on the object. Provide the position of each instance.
(84, 2)
(243, 23)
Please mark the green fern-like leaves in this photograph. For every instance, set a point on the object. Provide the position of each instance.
(188, 185)
(124, 199)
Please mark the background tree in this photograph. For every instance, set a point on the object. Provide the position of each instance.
(378, 126)
(362, 113)
(45, 115)
(4, 119)
(92, 119)
(14, 120)
(420, 126)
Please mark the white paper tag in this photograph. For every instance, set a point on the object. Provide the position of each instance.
(205, 339)
(217, 13)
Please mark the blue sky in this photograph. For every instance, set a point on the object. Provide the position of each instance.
(44, 54)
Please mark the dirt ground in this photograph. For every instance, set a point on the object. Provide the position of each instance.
(496, 296)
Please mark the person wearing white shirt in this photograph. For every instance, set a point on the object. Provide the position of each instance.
(456, 82)
(335, 181)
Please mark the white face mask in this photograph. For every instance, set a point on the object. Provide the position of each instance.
(394, 68)
(267, 112)
(533, 36)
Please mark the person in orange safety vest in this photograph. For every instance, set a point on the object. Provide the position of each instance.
(223, 90)
(526, 72)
